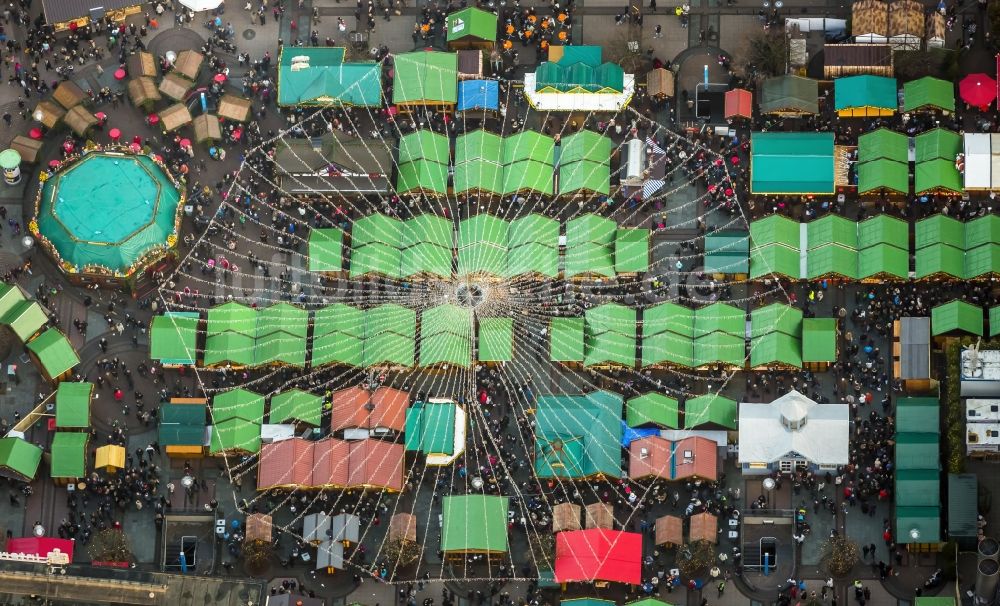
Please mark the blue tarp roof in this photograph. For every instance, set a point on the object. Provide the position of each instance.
(631, 434)
(478, 94)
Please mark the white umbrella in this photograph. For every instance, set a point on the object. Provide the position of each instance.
(201, 5)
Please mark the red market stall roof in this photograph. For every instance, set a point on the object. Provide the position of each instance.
(40, 547)
(739, 104)
(598, 554)
(331, 463)
(357, 407)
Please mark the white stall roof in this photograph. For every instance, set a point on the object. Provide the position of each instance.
(978, 164)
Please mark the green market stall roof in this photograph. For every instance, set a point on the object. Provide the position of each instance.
(668, 317)
(19, 458)
(423, 163)
(590, 243)
(917, 450)
(144, 221)
(832, 260)
(379, 228)
(727, 252)
(73, 405)
(939, 229)
(865, 91)
(884, 174)
(776, 317)
(918, 415)
(10, 296)
(982, 261)
(566, 340)
(957, 316)
(652, 409)
(54, 352)
(474, 523)
(482, 245)
(711, 409)
(937, 175)
(631, 250)
(928, 93)
(832, 229)
(610, 335)
(472, 22)
(882, 144)
(883, 260)
(477, 166)
(719, 317)
(496, 340)
(883, 229)
(376, 258)
(232, 317)
(284, 317)
(789, 94)
(430, 428)
(319, 76)
(775, 229)
(326, 249)
(938, 143)
(776, 348)
(819, 340)
(529, 145)
(238, 403)
(791, 163)
(578, 436)
(425, 259)
(984, 230)
(182, 424)
(339, 317)
(446, 336)
(925, 522)
(391, 318)
(235, 436)
(918, 488)
(25, 318)
(173, 338)
(230, 347)
(995, 320)
(69, 454)
(720, 348)
(425, 78)
(280, 347)
(585, 163)
(775, 259)
(295, 404)
(940, 260)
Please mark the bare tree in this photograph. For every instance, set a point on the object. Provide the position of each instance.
(110, 545)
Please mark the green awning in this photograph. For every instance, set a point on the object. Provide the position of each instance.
(611, 317)
(775, 229)
(376, 258)
(883, 144)
(297, 405)
(337, 348)
(73, 405)
(238, 403)
(710, 409)
(430, 427)
(918, 415)
(791, 163)
(590, 228)
(477, 163)
(318, 76)
(566, 339)
(775, 259)
(984, 230)
(173, 338)
(425, 259)
(982, 261)
(25, 318)
(819, 340)
(235, 436)
(422, 176)
(482, 245)
(229, 347)
(54, 353)
(939, 229)
(425, 78)
(883, 260)
(471, 22)
(232, 317)
(445, 348)
(720, 348)
(937, 175)
(589, 258)
(182, 424)
(652, 409)
(668, 317)
(928, 93)
(529, 145)
(585, 145)
(474, 523)
(326, 249)
(883, 229)
(918, 488)
(427, 228)
(776, 348)
(789, 94)
(884, 174)
(496, 340)
(856, 92)
(940, 259)
(632, 250)
(609, 348)
(832, 260)
(20, 458)
(776, 317)
(527, 176)
(533, 258)
(957, 316)
(938, 144)
(69, 454)
(533, 228)
(721, 317)
(578, 436)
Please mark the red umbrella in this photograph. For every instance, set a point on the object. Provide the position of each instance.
(35, 133)
(119, 74)
(219, 78)
(978, 90)
(115, 134)
(54, 163)
(101, 117)
(154, 119)
(185, 142)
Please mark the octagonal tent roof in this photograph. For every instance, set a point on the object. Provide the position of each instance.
(109, 211)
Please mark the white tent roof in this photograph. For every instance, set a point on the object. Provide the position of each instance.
(822, 438)
(579, 102)
(978, 161)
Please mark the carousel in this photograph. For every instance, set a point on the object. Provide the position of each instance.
(107, 215)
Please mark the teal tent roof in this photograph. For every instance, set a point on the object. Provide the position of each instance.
(578, 436)
(792, 163)
(318, 76)
(854, 92)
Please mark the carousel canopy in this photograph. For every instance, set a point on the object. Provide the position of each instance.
(92, 221)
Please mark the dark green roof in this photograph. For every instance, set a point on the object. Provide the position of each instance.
(430, 427)
(69, 454)
(918, 415)
(792, 94)
(173, 338)
(182, 424)
(792, 163)
(318, 76)
(854, 92)
(928, 93)
(578, 436)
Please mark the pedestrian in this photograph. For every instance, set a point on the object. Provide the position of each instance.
(658, 31)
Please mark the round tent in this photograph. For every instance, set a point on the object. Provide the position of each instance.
(94, 225)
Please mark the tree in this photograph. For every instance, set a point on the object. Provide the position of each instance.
(256, 555)
(766, 54)
(401, 551)
(626, 52)
(693, 559)
(110, 545)
(543, 548)
(937, 62)
(840, 554)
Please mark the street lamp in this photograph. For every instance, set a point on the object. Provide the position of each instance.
(27, 242)
(915, 534)
(38, 115)
(769, 485)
